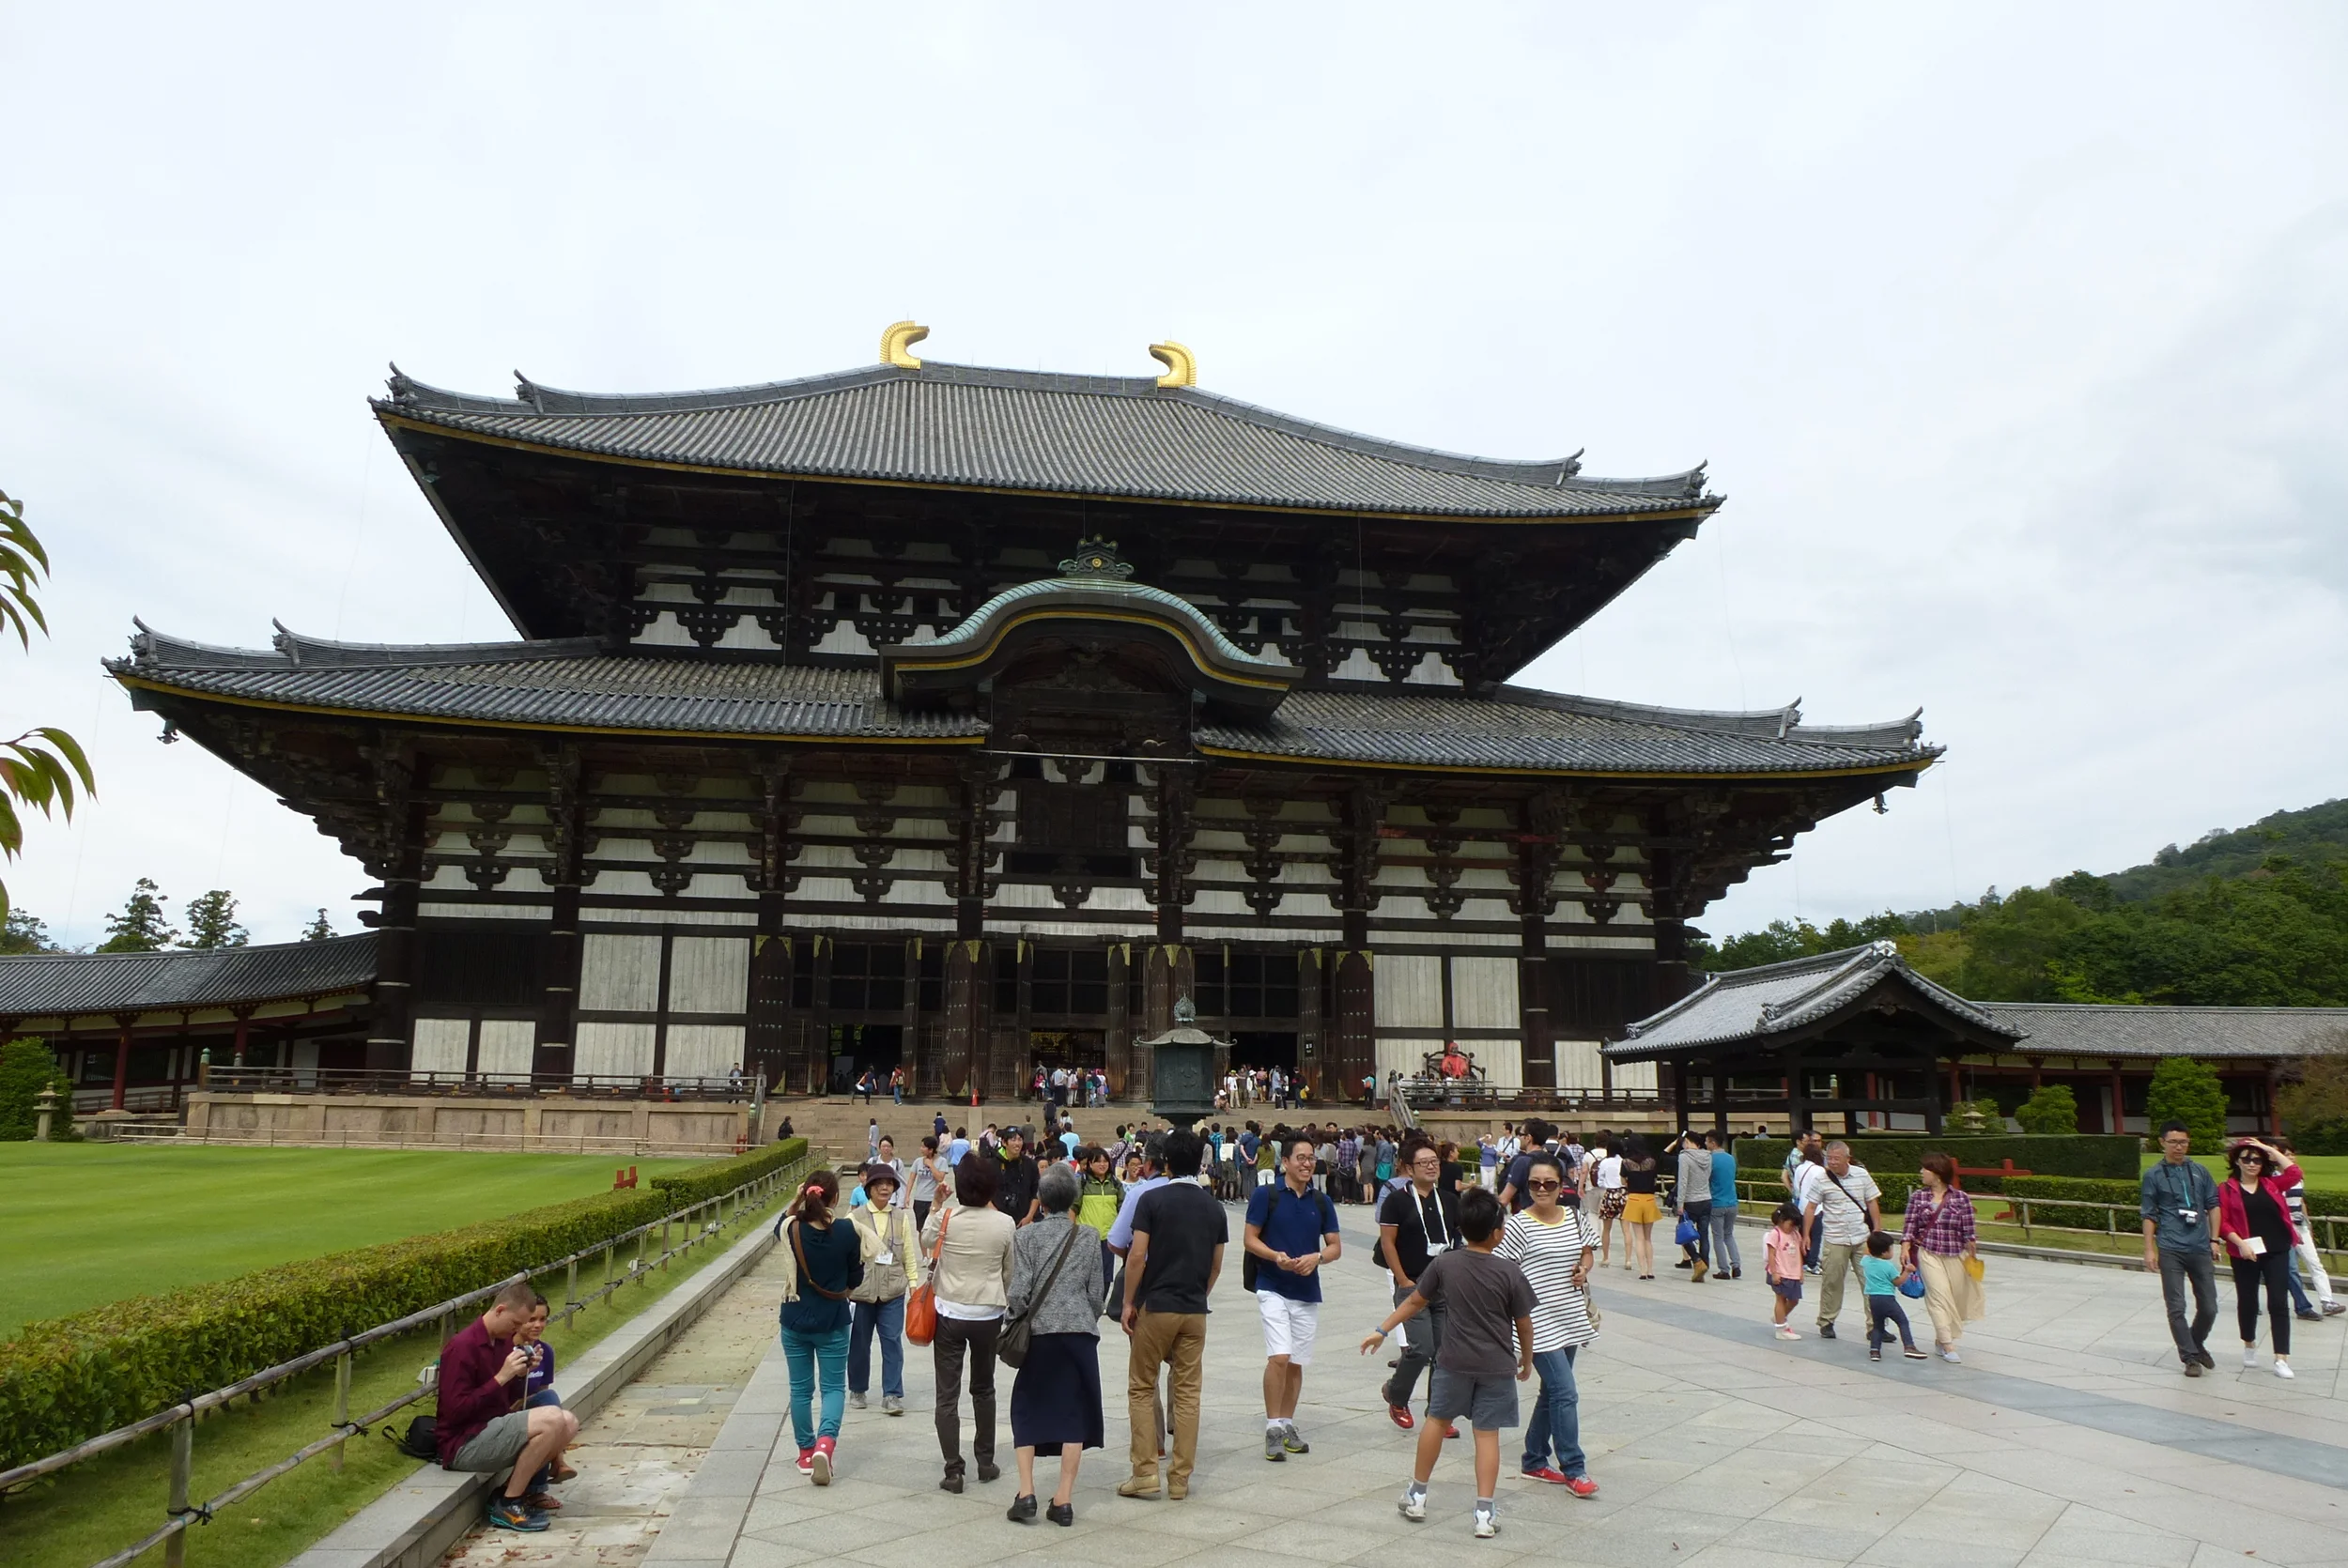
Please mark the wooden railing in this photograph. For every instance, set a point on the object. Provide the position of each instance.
(699, 1221)
(485, 1086)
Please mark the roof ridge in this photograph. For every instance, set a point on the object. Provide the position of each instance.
(409, 394)
(150, 647)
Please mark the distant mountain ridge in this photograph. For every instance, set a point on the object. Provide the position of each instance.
(2250, 917)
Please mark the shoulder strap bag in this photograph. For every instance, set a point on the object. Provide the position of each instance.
(1247, 1260)
(922, 1300)
(1012, 1345)
(798, 1250)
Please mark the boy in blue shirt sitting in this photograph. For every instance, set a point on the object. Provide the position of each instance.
(1881, 1277)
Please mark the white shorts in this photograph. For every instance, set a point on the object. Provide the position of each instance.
(1264, 1177)
(1289, 1325)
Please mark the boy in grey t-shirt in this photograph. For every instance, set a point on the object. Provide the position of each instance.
(1488, 1338)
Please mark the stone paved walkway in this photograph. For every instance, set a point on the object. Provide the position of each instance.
(2067, 1437)
(637, 1455)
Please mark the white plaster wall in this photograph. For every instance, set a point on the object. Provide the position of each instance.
(439, 1045)
(612, 1051)
(620, 973)
(506, 1046)
(709, 975)
(1409, 993)
(704, 1050)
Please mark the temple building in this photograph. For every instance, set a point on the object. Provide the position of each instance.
(968, 719)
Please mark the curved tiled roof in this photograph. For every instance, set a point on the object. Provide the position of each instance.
(49, 985)
(563, 686)
(969, 425)
(1776, 999)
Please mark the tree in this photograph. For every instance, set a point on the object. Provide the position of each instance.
(140, 927)
(2187, 1091)
(2049, 1111)
(26, 1067)
(212, 921)
(2314, 1103)
(42, 767)
(22, 931)
(318, 930)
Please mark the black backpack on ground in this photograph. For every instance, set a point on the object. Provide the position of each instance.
(420, 1440)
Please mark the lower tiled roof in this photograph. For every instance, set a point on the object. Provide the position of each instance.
(566, 686)
(2096, 1029)
(48, 985)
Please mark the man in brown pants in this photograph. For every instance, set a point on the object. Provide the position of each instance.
(1179, 1235)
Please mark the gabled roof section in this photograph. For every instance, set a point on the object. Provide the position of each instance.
(969, 426)
(1779, 1000)
(49, 985)
(1092, 591)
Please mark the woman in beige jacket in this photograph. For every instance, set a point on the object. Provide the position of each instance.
(970, 1240)
(892, 1267)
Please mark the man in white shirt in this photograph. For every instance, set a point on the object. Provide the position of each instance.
(1840, 1202)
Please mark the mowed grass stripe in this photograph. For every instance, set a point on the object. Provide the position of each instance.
(88, 1223)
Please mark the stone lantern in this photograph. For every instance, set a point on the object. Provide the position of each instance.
(46, 1104)
(1184, 1062)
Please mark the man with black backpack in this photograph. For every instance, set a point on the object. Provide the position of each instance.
(1291, 1231)
(477, 1428)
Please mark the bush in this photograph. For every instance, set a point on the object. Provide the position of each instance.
(26, 1067)
(1890, 1154)
(2186, 1090)
(2051, 1111)
(2329, 1136)
(2320, 1201)
(67, 1380)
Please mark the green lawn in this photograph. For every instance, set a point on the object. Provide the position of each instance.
(86, 1223)
(2322, 1170)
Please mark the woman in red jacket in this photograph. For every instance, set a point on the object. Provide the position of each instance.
(2254, 1221)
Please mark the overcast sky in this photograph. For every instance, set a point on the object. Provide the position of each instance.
(2017, 337)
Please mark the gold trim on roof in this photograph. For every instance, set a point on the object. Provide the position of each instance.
(1182, 365)
(897, 341)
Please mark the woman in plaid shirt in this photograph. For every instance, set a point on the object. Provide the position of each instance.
(1939, 1240)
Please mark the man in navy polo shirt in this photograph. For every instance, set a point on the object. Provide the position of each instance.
(1291, 1231)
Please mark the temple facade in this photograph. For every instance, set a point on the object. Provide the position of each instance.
(966, 720)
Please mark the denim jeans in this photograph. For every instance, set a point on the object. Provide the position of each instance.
(889, 1318)
(1724, 1253)
(810, 1358)
(1556, 1414)
(1701, 1214)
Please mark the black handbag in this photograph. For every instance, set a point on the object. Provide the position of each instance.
(1012, 1345)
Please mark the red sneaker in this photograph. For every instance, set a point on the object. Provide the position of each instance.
(1554, 1476)
(806, 1461)
(1401, 1417)
(820, 1461)
(1449, 1430)
(1581, 1486)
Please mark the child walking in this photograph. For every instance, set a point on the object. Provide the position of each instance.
(1881, 1277)
(1781, 1265)
(1487, 1338)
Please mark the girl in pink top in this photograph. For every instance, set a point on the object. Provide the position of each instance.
(1782, 1266)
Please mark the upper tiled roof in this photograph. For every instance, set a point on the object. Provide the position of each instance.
(569, 685)
(52, 984)
(966, 425)
(2094, 1029)
(1754, 1005)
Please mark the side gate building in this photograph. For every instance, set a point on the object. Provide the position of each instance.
(967, 718)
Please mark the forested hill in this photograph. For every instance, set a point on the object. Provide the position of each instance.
(2256, 916)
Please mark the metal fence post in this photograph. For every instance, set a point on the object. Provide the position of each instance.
(570, 1288)
(342, 1404)
(182, 1466)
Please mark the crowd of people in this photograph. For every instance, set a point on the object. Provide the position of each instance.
(1014, 1245)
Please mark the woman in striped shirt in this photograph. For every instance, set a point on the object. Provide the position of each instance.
(1553, 1245)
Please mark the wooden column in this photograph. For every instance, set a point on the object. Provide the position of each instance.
(817, 1039)
(969, 984)
(2119, 1103)
(1117, 1046)
(122, 1055)
(768, 1037)
(391, 1023)
(909, 1044)
(551, 1055)
(2273, 1107)
(1352, 1029)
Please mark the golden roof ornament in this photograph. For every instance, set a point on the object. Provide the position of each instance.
(1096, 557)
(897, 342)
(1182, 365)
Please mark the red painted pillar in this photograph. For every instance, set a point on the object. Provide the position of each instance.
(2119, 1103)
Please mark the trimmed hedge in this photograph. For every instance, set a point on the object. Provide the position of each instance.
(67, 1380)
(2332, 1202)
(2112, 1156)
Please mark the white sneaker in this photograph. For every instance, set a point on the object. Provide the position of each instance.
(2282, 1369)
(1486, 1525)
(1414, 1505)
(1951, 1356)
(1788, 1331)
(2250, 1355)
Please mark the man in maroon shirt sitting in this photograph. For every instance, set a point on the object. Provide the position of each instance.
(477, 1428)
